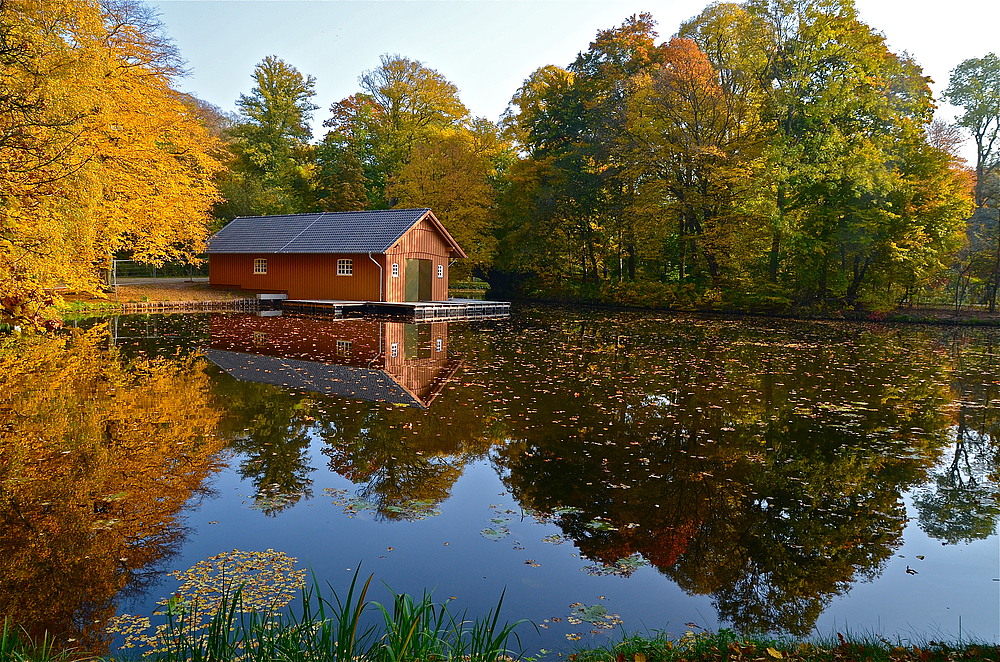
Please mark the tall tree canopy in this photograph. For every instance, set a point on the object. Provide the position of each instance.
(272, 167)
(775, 152)
(400, 104)
(407, 140)
(99, 153)
(975, 87)
(572, 124)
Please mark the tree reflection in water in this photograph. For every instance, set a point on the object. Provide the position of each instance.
(397, 454)
(961, 503)
(98, 455)
(764, 471)
(761, 465)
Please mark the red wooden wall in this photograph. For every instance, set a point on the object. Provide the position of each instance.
(300, 275)
(422, 242)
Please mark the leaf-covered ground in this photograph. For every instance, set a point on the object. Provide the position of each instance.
(162, 289)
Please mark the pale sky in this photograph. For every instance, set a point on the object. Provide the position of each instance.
(488, 47)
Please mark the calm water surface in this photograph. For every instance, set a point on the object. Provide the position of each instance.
(675, 473)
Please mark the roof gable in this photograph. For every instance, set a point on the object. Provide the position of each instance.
(326, 232)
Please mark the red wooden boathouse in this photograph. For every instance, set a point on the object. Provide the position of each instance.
(393, 255)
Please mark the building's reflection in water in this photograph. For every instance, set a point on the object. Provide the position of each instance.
(362, 359)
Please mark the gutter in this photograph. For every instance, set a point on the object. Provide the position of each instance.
(381, 278)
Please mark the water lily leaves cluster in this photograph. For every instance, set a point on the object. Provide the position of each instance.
(243, 581)
(410, 510)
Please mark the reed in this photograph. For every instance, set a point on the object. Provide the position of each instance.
(16, 646)
(334, 630)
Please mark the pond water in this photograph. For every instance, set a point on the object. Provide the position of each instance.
(602, 470)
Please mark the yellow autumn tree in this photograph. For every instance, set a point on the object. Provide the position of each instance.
(98, 152)
(453, 172)
(98, 456)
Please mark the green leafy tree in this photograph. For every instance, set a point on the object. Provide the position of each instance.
(401, 102)
(340, 182)
(571, 123)
(698, 155)
(272, 167)
(606, 76)
(975, 87)
(848, 112)
(544, 222)
(406, 140)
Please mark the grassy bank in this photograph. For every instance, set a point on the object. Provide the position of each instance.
(319, 642)
(729, 646)
(420, 629)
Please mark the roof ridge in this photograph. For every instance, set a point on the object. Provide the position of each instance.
(300, 213)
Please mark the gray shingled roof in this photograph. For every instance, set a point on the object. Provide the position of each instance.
(328, 232)
(345, 381)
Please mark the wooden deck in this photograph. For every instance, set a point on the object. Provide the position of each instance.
(452, 309)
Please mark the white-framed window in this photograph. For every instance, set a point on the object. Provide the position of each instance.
(395, 270)
(260, 265)
(343, 348)
(394, 349)
(440, 271)
(345, 267)
(439, 346)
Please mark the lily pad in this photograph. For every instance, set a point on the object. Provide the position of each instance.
(498, 533)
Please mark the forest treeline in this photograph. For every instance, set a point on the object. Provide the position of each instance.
(772, 155)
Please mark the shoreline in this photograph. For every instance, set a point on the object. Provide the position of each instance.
(180, 295)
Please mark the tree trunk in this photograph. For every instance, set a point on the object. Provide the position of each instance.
(821, 285)
(857, 279)
(593, 262)
(772, 267)
(995, 285)
(682, 246)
